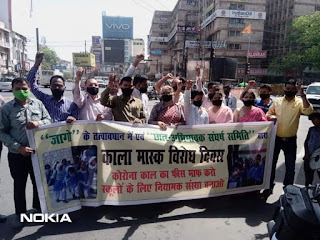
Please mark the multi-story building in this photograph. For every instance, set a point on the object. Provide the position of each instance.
(280, 16)
(138, 47)
(170, 30)
(224, 21)
(96, 49)
(4, 49)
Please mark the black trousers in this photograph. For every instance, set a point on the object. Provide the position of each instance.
(20, 168)
(289, 147)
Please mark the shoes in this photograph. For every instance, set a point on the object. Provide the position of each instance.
(15, 222)
(58, 200)
(3, 218)
(65, 201)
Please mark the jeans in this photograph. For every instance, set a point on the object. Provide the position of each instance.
(289, 147)
(20, 168)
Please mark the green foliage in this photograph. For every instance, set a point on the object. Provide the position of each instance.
(304, 45)
(50, 58)
(67, 75)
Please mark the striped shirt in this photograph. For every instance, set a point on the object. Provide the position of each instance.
(58, 110)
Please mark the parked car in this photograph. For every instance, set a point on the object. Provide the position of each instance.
(313, 94)
(5, 84)
(102, 83)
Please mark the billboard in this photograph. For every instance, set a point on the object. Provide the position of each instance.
(98, 53)
(156, 52)
(117, 27)
(84, 59)
(113, 51)
(258, 54)
(96, 40)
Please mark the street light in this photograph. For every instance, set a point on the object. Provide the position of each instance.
(184, 45)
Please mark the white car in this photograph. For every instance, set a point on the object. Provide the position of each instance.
(5, 84)
(313, 94)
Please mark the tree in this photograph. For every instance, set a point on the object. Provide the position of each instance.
(304, 45)
(50, 58)
(67, 75)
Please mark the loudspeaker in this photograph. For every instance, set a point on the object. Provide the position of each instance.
(223, 68)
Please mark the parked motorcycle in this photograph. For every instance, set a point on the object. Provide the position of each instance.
(298, 216)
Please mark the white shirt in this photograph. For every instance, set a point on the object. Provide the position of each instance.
(194, 115)
(89, 108)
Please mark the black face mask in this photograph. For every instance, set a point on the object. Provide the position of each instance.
(264, 96)
(166, 98)
(93, 90)
(143, 90)
(197, 103)
(57, 93)
(248, 103)
(290, 94)
(126, 91)
(217, 102)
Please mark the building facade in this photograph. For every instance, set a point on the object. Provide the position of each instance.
(223, 22)
(138, 47)
(169, 33)
(280, 16)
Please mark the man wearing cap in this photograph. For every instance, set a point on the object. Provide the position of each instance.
(287, 111)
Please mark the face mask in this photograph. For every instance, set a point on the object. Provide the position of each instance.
(167, 98)
(57, 93)
(92, 90)
(197, 103)
(248, 103)
(264, 96)
(143, 90)
(290, 94)
(21, 95)
(126, 91)
(217, 102)
(175, 88)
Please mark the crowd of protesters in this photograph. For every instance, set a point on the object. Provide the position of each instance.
(183, 102)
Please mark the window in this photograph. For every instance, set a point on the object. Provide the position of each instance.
(234, 46)
(163, 26)
(317, 8)
(236, 20)
(163, 43)
(235, 6)
(233, 33)
(192, 2)
(163, 34)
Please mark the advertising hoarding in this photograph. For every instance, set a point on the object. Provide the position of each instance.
(117, 27)
(113, 51)
(84, 59)
(258, 54)
(96, 40)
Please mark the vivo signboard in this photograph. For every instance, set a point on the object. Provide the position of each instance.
(117, 27)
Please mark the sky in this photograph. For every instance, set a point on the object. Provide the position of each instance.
(66, 24)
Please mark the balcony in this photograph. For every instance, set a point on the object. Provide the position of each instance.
(4, 44)
(236, 25)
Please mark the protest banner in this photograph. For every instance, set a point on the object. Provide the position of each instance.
(112, 163)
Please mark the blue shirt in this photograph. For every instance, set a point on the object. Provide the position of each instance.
(263, 106)
(58, 110)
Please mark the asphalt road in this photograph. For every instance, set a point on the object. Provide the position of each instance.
(224, 218)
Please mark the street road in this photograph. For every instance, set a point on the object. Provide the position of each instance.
(226, 218)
